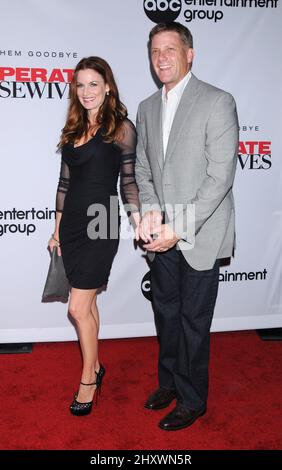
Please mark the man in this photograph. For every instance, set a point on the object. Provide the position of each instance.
(186, 160)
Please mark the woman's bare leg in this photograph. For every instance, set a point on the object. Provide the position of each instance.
(87, 328)
(95, 313)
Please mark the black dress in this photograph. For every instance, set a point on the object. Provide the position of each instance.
(88, 185)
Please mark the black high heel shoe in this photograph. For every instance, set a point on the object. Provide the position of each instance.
(81, 409)
(100, 374)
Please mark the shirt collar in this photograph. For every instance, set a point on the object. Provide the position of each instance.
(178, 89)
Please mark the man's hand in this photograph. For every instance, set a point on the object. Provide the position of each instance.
(149, 223)
(165, 238)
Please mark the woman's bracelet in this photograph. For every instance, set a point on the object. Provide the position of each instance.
(55, 239)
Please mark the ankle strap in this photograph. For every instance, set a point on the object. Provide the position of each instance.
(93, 383)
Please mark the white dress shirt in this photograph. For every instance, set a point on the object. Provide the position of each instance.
(170, 102)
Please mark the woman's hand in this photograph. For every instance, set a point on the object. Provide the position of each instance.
(151, 221)
(136, 223)
(54, 241)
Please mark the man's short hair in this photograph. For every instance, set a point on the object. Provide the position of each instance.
(184, 33)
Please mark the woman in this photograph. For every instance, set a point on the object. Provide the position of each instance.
(97, 144)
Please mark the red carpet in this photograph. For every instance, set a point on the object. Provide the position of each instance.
(244, 408)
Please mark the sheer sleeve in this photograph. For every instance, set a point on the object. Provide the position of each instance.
(63, 186)
(128, 185)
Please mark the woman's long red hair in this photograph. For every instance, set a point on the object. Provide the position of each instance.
(110, 115)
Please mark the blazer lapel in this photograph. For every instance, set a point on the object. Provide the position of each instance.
(157, 128)
(182, 114)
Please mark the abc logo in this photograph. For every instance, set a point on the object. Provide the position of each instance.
(146, 286)
(161, 11)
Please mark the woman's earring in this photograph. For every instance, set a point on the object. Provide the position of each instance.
(107, 93)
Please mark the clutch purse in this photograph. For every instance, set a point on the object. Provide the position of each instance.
(57, 286)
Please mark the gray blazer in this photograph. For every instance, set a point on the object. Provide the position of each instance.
(198, 169)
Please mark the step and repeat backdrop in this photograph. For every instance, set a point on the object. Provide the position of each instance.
(237, 49)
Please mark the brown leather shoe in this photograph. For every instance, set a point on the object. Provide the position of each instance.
(179, 418)
(160, 399)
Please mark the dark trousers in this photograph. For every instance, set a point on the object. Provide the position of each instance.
(183, 301)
